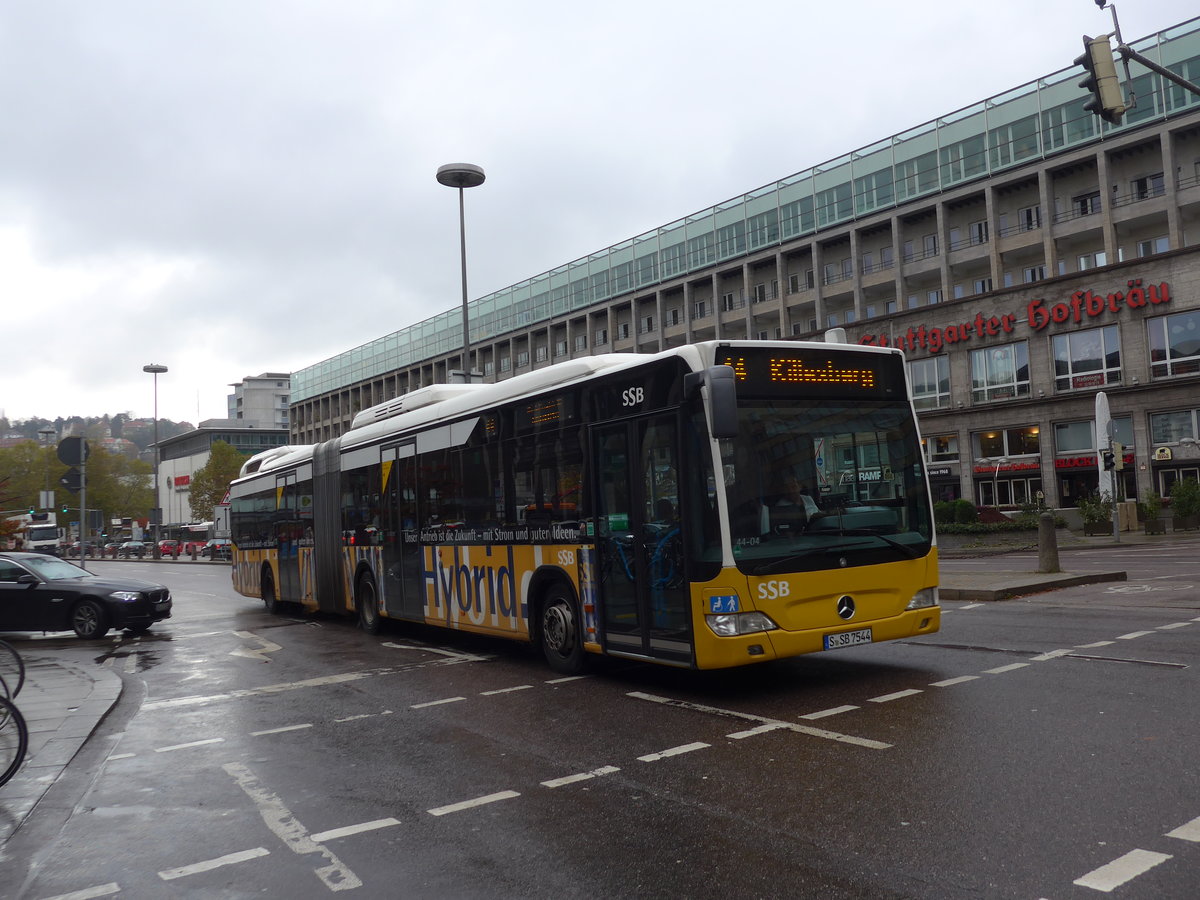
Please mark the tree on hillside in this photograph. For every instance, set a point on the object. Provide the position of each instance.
(116, 485)
(210, 482)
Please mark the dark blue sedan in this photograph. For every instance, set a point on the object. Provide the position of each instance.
(44, 593)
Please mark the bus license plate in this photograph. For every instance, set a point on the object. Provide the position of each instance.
(847, 639)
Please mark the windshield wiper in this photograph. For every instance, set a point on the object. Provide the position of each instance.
(776, 565)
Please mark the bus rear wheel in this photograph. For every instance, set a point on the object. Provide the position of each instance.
(270, 598)
(562, 642)
(366, 600)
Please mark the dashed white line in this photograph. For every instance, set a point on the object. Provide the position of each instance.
(1012, 667)
(567, 678)
(1132, 635)
(898, 695)
(951, 681)
(100, 890)
(471, 804)
(1187, 832)
(971, 606)
(190, 744)
(436, 702)
(507, 690)
(121, 756)
(1094, 645)
(674, 751)
(582, 776)
(209, 864)
(751, 732)
(1122, 869)
(1051, 654)
(1174, 625)
(281, 730)
(834, 711)
(335, 833)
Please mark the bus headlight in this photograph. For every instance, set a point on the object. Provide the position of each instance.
(732, 625)
(924, 599)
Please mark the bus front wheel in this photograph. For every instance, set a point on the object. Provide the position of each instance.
(562, 642)
(366, 599)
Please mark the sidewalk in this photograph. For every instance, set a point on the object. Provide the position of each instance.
(62, 703)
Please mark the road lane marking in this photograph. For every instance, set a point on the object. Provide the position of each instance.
(971, 606)
(121, 756)
(567, 678)
(898, 695)
(674, 751)
(209, 864)
(284, 825)
(950, 681)
(507, 690)
(436, 702)
(453, 654)
(752, 732)
(100, 890)
(471, 804)
(1187, 832)
(1174, 625)
(1050, 654)
(260, 654)
(1122, 869)
(1012, 667)
(1094, 645)
(750, 717)
(191, 744)
(323, 681)
(280, 730)
(1132, 635)
(582, 776)
(335, 833)
(834, 711)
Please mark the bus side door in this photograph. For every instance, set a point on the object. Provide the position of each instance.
(404, 572)
(287, 536)
(644, 594)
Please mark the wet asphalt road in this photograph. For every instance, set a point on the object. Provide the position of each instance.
(1042, 747)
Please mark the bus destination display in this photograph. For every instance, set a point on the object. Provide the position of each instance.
(815, 373)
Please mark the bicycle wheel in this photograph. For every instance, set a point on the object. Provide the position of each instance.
(12, 670)
(14, 739)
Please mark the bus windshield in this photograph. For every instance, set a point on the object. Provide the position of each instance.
(814, 485)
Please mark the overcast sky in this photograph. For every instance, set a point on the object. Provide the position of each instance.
(230, 188)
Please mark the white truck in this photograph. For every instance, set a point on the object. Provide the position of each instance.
(38, 533)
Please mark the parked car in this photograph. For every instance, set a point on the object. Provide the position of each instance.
(132, 550)
(218, 548)
(111, 548)
(45, 593)
(168, 547)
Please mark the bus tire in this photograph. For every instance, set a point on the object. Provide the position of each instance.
(561, 634)
(269, 596)
(366, 601)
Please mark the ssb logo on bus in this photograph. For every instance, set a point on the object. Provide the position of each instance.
(773, 590)
(633, 396)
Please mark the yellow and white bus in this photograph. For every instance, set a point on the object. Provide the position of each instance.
(712, 505)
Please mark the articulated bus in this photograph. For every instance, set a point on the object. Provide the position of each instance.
(712, 505)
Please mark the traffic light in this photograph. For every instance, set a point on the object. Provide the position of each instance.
(1118, 456)
(64, 507)
(1110, 461)
(1101, 80)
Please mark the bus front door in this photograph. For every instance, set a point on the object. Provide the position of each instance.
(643, 590)
(288, 534)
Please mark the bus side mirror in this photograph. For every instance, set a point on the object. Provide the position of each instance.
(720, 401)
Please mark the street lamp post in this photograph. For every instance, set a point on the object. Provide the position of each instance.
(156, 514)
(462, 175)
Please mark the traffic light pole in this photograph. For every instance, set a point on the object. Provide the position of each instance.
(1128, 53)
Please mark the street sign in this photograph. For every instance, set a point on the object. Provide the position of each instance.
(73, 451)
(72, 480)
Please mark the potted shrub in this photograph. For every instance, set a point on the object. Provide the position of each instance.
(1185, 504)
(1150, 509)
(1096, 510)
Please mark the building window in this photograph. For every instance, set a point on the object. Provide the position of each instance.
(1092, 260)
(1021, 441)
(699, 309)
(540, 354)
(831, 320)
(982, 285)
(930, 243)
(505, 364)
(940, 447)
(1174, 344)
(1030, 274)
(1172, 427)
(1152, 246)
(1086, 360)
(560, 348)
(913, 301)
(868, 262)
(522, 358)
(885, 257)
(760, 292)
(581, 342)
(601, 337)
(959, 291)
(1000, 373)
(889, 306)
(1029, 218)
(673, 316)
(978, 232)
(647, 325)
(1147, 187)
(623, 331)
(727, 302)
(906, 251)
(1072, 438)
(930, 379)
(1086, 204)
(934, 297)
